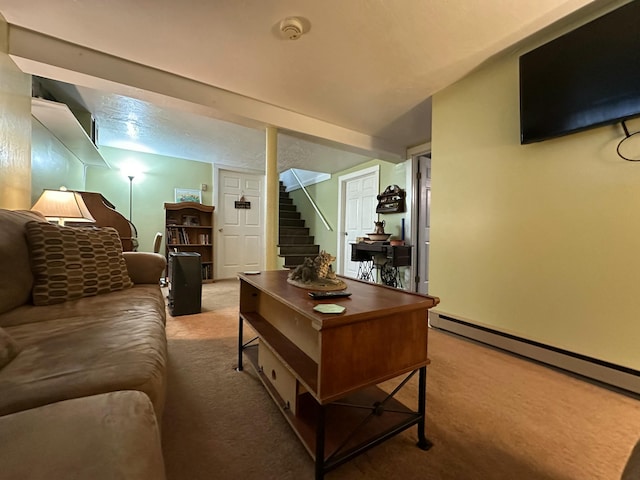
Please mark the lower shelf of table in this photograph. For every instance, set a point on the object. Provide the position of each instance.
(342, 418)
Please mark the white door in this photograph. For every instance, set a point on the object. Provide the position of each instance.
(424, 222)
(239, 230)
(357, 212)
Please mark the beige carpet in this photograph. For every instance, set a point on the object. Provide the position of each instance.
(489, 414)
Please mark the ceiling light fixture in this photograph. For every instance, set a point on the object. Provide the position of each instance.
(292, 28)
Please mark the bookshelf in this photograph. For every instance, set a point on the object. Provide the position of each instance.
(189, 228)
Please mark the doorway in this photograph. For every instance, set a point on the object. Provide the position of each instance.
(423, 214)
(239, 231)
(358, 193)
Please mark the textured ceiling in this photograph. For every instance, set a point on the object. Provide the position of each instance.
(366, 68)
(136, 125)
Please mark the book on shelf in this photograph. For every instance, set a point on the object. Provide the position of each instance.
(177, 235)
(207, 271)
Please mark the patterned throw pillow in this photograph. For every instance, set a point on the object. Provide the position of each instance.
(9, 349)
(72, 262)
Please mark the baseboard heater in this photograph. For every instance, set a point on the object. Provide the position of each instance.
(616, 376)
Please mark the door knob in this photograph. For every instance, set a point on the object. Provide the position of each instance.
(220, 230)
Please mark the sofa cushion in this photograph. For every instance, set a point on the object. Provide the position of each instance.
(9, 349)
(632, 467)
(102, 437)
(93, 345)
(70, 262)
(16, 279)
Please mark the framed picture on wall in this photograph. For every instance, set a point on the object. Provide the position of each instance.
(188, 195)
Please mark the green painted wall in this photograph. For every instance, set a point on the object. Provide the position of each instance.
(155, 178)
(540, 240)
(325, 194)
(52, 164)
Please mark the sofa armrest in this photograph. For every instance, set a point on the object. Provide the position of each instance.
(102, 437)
(145, 267)
(632, 467)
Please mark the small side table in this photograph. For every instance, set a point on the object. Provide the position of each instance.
(381, 256)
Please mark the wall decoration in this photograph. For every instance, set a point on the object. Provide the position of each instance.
(188, 195)
(242, 203)
(391, 200)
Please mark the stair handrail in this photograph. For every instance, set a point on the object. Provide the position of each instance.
(313, 204)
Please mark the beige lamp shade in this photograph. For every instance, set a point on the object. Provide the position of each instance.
(63, 206)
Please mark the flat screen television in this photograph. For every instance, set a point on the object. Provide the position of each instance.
(586, 78)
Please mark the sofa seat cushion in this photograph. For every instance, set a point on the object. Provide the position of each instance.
(143, 297)
(70, 262)
(109, 436)
(99, 344)
(8, 348)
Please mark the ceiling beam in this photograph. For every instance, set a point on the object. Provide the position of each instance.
(49, 57)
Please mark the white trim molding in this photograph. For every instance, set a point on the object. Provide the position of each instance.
(604, 372)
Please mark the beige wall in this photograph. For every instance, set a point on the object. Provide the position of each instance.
(15, 131)
(540, 240)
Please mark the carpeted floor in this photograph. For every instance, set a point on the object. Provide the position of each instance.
(489, 414)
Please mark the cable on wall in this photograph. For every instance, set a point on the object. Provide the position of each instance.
(627, 137)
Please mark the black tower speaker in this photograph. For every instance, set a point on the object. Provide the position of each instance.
(185, 278)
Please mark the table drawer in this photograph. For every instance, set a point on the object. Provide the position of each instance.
(279, 376)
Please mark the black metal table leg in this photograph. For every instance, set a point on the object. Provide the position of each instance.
(240, 345)
(423, 442)
(320, 443)
(365, 270)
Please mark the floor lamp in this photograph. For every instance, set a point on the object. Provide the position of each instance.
(130, 195)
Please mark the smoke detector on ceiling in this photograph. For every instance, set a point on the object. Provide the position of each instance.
(292, 28)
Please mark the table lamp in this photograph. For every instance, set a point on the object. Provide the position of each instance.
(63, 206)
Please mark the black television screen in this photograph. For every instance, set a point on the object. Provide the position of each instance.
(586, 78)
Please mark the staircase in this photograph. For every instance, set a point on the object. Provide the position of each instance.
(294, 240)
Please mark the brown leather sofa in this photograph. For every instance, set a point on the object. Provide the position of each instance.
(86, 389)
(632, 467)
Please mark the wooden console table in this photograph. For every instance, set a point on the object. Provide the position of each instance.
(322, 369)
